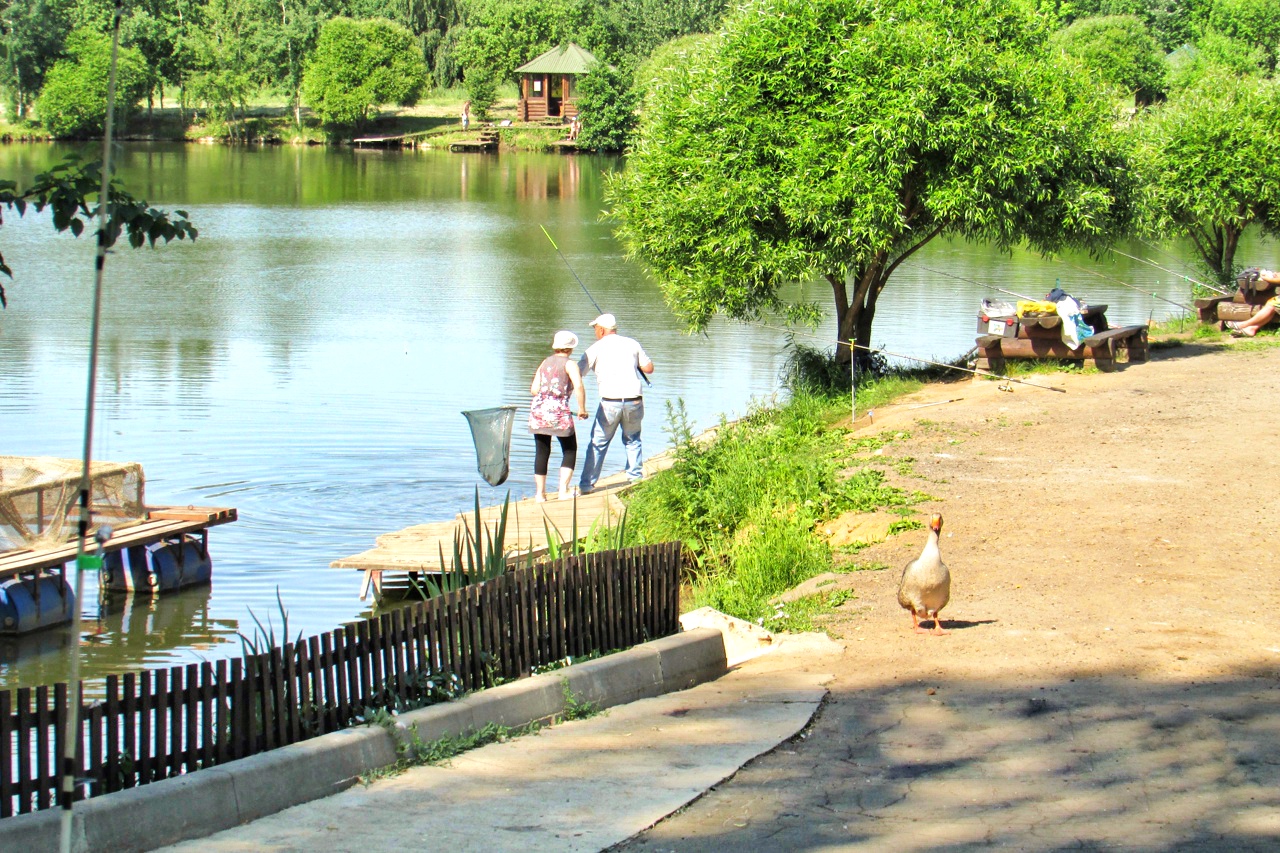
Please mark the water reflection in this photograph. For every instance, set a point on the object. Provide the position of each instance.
(306, 360)
(145, 630)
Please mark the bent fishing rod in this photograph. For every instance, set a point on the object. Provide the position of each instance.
(1126, 284)
(599, 310)
(1169, 271)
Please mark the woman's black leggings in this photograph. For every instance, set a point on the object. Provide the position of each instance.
(542, 452)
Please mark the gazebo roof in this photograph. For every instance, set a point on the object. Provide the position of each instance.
(565, 59)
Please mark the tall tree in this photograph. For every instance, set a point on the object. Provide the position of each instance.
(223, 66)
(836, 139)
(32, 33)
(1210, 159)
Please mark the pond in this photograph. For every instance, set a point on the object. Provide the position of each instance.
(306, 360)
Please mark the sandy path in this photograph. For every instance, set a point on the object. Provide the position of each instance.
(1110, 679)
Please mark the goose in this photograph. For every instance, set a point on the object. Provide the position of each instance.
(926, 584)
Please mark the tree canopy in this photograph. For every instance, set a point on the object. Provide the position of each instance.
(835, 139)
(1119, 50)
(360, 65)
(1210, 161)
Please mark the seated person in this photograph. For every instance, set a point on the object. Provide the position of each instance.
(1267, 313)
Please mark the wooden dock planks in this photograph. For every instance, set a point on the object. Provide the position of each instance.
(162, 522)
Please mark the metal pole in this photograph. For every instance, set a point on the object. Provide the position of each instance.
(86, 562)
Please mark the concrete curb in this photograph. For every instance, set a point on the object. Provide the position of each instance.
(211, 800)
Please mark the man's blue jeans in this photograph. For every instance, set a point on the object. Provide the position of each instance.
(609, 416)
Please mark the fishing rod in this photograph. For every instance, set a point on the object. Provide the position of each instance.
(1169, 271)
(599, 310)
(1126, 284)
(85, 561)
(1153, 247)
(979, 283)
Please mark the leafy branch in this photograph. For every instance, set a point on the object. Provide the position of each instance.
(71, 191)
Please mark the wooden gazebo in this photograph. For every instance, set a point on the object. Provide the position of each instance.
(547, 83)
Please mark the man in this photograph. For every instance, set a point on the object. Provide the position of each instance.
(618, 363)
(1267, 313)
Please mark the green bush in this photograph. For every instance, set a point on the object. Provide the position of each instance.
(360, 65)
(73, 102)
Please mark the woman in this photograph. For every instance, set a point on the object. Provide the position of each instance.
(549, 415)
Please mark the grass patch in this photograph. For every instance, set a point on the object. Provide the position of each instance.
(746, 504)
(804, 614)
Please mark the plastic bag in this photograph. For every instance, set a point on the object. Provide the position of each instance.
(491, 432)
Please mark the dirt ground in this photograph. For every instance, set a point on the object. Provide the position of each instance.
(1110, 676)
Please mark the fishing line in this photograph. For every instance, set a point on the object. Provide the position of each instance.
(1169, 271)
(1125, 284)
(883, 351)
(979, 283)
(84, 561)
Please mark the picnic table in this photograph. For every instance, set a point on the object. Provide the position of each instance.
(1041, 337)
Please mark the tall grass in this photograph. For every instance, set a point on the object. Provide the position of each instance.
(746, 502)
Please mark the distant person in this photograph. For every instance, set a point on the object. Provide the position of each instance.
(466, 115)
(1267, 313)
(557, 377)
(618, 363)
(575, 124)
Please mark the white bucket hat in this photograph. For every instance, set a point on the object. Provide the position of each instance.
(564, 340)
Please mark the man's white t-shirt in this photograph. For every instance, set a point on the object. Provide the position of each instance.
(616, 361)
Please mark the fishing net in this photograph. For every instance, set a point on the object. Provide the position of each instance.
(491, 432)
(40, 499)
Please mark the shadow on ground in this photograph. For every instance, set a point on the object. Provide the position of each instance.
(1109, 762)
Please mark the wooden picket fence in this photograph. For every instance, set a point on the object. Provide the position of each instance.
(166, 722)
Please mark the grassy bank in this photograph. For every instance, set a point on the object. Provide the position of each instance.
(747, 501)
(272, 121)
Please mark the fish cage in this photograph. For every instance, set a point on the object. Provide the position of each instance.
(40, 499)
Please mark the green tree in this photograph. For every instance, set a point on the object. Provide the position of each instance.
(71, 191)
(73, 102)
(836, 139)
(222, 67)
(608, 107)
(32, 33)
(1119, 50)
(359, 66)
(1210, 159)
(1255, 23)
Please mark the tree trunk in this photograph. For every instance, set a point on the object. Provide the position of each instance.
(855, 316)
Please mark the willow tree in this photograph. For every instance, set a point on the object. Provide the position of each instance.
(1211, 161)
(837, 138)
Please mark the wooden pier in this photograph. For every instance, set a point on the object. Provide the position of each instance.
(397, 559)
(162, 523)
(487, 141)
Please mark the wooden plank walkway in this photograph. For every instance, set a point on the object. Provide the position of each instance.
(162, 522)
(416, 550)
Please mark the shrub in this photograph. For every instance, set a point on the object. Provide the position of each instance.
(360, 65)
(73, 102)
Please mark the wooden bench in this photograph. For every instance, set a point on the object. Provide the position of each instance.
(1101, 349)
(163, 522)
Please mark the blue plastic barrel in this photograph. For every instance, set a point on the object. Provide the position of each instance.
(29, 604)
(158, 567)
